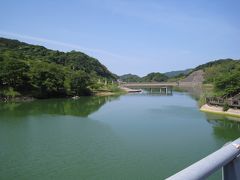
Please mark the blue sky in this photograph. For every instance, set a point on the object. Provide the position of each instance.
(137, 36)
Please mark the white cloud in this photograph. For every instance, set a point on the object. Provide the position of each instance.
(62, 44)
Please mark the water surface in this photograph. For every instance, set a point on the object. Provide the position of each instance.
(140, 136)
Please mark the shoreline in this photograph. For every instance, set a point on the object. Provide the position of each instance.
(218, 110)
(18, 99)
(129, 90)
(30, 98)
(123, 90)
(106, 93)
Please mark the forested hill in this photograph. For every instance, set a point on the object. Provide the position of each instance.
(224, 74)
(177, 73)
(151, 77)
(130, 78)
(74, 59)
(41, 72)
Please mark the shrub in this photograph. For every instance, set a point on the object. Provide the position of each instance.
(225, 107)
(11, 93)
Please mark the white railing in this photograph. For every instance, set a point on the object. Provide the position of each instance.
(227, 158)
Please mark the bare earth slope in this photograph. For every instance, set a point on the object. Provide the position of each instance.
(194, 78)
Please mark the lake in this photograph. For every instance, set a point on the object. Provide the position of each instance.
(135, 136)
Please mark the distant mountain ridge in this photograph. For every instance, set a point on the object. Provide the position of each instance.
(151, 77)
(176, 73)
(130, 78)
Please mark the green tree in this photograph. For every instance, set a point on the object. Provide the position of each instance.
(80, 83)
(228, 84)
(47, 79)
(14, 73)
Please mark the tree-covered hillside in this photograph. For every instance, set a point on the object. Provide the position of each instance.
(224, 74)
(172, 74)
(130, 78)
(151, 77)
(155, 77)
(37, 71)
(74, 59)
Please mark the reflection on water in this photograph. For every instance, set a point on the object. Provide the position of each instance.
(82, 107)
(156, 91)
(226, 128)
(139, 136)
(194, 91)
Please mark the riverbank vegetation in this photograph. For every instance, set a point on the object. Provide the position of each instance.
(35, 71)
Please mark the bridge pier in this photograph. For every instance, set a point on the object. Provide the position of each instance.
(164, 88)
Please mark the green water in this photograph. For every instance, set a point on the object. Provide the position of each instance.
(130, 137)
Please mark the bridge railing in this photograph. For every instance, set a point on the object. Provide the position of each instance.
(227, 158)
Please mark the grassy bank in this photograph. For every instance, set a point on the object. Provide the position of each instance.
(207, 91)
(108, 90)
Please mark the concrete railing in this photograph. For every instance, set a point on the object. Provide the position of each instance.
(227, 158)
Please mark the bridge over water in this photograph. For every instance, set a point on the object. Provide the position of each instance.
(153, 87)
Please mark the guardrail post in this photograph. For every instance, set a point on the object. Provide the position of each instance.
(231, 171)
